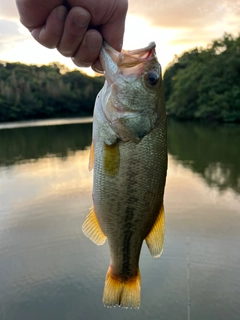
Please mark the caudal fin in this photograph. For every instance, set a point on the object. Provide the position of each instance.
(122, 293)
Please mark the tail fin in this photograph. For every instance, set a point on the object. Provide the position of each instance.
(122, 293)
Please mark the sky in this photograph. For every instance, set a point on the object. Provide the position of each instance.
(176, 26)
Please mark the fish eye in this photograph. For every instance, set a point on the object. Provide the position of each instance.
(152, 78)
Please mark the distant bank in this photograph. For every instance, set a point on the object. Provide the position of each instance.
(201, 84)
(204, 84)
(45, 92)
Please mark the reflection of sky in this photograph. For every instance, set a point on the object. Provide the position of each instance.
(52, 178)
(26, 181)
(196, 192)
(51, 175)
(46, 260)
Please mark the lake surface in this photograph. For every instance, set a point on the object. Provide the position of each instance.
(50, 271)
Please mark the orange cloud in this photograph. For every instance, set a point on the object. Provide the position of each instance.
(184, 14)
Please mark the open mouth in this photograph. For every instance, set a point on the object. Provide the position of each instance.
(126, 62)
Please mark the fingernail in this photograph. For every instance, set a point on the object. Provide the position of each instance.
(97, 67)
(61, 13)
(97, 71)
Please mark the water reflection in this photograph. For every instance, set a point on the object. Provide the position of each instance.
(211, 150)
(51, 177)
(23, 144)
(50, 270)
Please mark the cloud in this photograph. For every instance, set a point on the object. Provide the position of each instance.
(167, 14)
(8, 9)
(10, 31)
(10, 36)
(176, 26)
(184, 13)
(193, 23)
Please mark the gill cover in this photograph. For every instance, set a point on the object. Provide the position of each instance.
(130, 93)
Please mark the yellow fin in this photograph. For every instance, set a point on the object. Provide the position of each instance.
(91, 157)
(155, 238)
(122, 293)
(111, 159)
(92, 229)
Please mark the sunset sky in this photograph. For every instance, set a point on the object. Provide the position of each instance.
(175, 26)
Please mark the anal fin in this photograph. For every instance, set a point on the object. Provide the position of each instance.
(155, 238)
(92, 229)
(122, 293)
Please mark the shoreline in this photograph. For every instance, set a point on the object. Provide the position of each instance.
(45, 122)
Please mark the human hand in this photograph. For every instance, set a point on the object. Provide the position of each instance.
(75, 27)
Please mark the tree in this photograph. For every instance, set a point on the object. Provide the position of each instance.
(32, 92)
(205, 83)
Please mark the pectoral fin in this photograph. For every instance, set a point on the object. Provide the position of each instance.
(92, 229)
(155, 238)
(91, 157)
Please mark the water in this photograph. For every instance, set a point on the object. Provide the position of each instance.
(50, 270)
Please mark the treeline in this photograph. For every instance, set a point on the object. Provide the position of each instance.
(205, 83)
(32, 92)
(199, 84)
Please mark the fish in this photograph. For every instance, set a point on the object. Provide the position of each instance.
(129, 160)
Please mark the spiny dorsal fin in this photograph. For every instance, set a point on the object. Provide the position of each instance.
(92, 229)
(91, 157)
(155, 238)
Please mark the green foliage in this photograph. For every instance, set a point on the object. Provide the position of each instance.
(205, 83)
(32, 92)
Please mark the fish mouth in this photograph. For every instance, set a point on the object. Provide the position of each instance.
(127, 62)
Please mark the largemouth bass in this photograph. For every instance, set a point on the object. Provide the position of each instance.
(129, 157)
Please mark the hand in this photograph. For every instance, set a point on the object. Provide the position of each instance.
(75, 27)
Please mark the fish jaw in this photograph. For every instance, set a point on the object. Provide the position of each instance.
(129, 104)
(126, 63)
